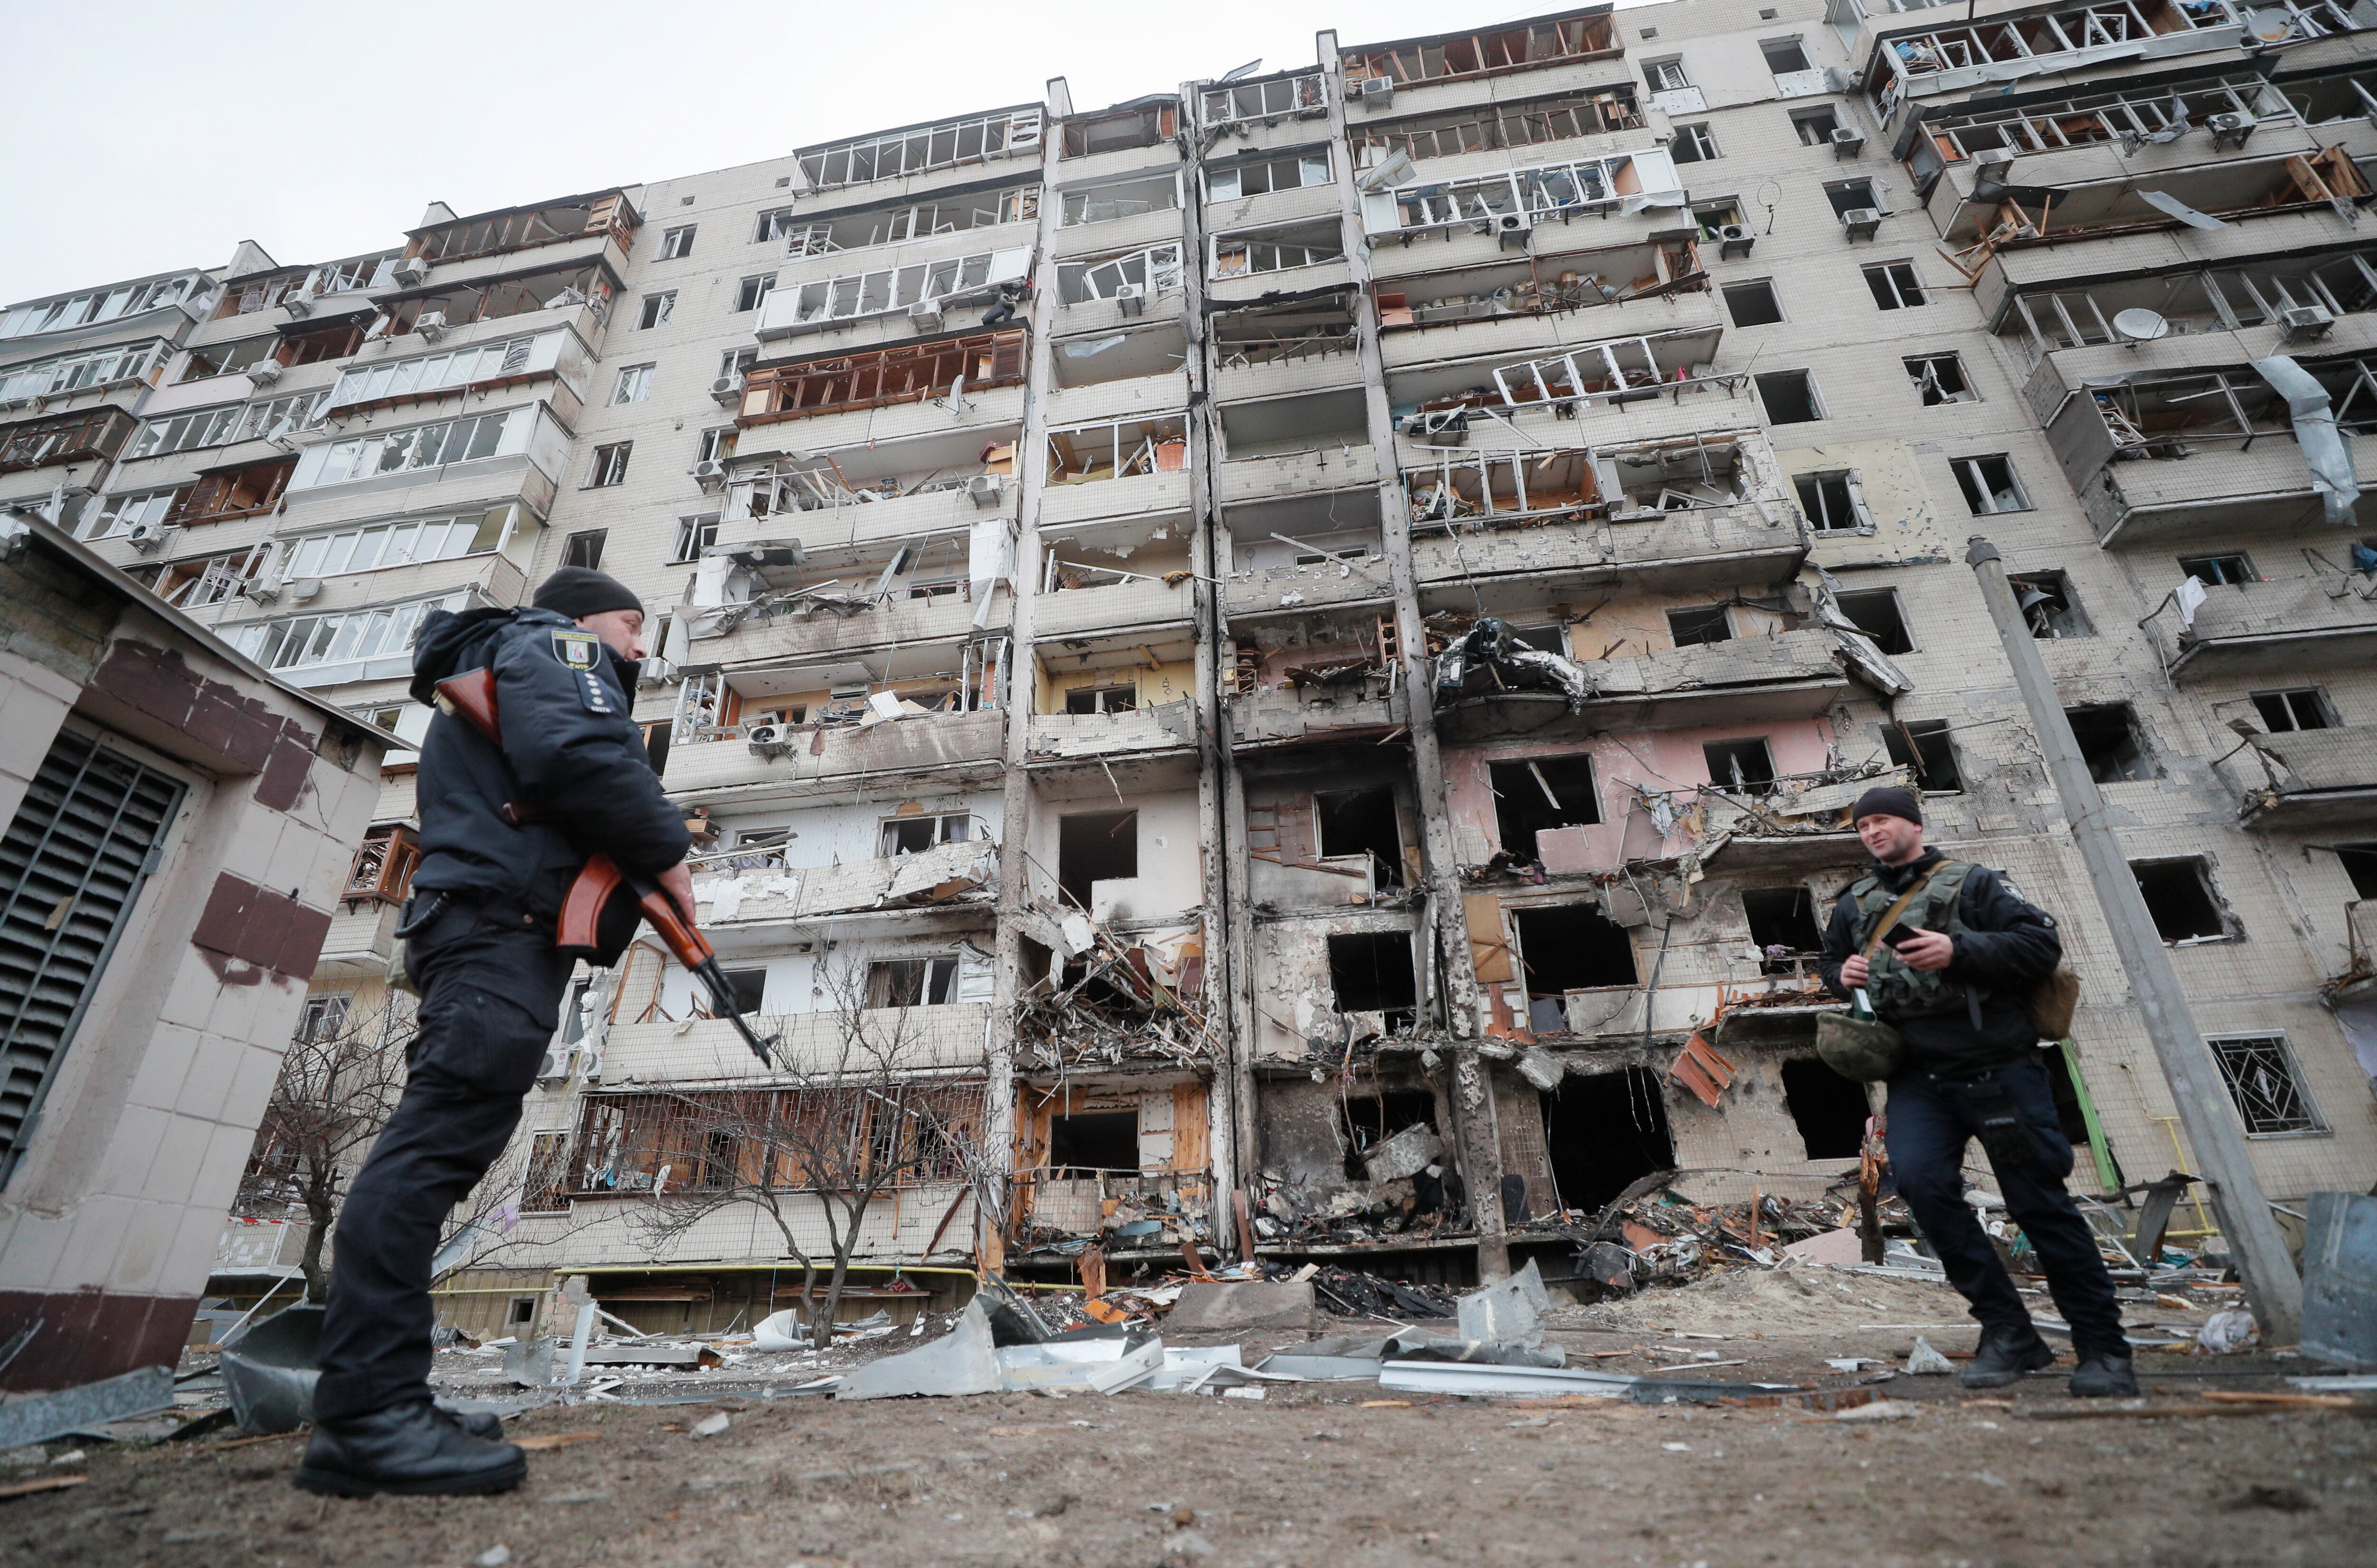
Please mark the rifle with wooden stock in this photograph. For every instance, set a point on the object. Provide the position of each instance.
(472, 697)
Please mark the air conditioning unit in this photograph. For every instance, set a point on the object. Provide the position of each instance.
(299, 306)
(856, 692)
(926, 315)
(430, 325)
(1861, 222)
(1847, 141)
(146, 537)
(1132, 298)
(2304, 322)
(557, 1064)
(1510, 230)
(1377, 91)
(767, 740)
(411, 270)
(986, 489)
(264, 590)
(727, 390)
(709, 475)
(1734, 239)
(304, 588)
(2231, 129)
(264, 372)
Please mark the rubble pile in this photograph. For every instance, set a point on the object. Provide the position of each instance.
(1116, 1000)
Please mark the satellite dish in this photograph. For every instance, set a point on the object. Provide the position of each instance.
(2139, 325)
(2271, 24)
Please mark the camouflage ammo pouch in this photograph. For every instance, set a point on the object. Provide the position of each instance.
(1867, 1049)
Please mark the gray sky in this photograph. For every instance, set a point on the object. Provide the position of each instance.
(161, 135)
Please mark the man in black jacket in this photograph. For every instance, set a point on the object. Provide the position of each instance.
(1951, 975)
(504, 831)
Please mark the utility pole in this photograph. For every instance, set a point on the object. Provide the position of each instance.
(2272, 1288)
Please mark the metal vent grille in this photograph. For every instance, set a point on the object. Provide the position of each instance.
(71, 865)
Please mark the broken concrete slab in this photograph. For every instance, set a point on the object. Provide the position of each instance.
(960, 1362)
(1842, 1248)
(41, 1416)
(1223, 1307)
(1406, 1154)
(1509, 1311)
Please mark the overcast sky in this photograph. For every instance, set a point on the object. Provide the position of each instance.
(149, 136)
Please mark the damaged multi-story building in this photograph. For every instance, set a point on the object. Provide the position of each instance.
(1290, 655)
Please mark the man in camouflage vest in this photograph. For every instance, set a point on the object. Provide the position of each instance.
(1951, 975)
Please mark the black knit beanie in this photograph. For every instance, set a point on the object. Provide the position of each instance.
(1888, 800)
(580, 590)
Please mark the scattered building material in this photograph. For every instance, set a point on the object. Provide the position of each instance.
(1224, 1307)
(961, 1361)
(41, 1416)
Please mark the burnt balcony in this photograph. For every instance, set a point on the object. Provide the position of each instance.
(906, 373)
(2280, 627)
(2307, 779)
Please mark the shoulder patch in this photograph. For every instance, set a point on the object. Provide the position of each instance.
(579, 650)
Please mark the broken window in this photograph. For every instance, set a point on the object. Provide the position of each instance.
(87, 370)
(1093, 847)
(489, 233)
(1879, 616)
(1102, 700)
(1305, 93)
(1546, 792)
(2304, 708)
(1511, 201)
(1832, 503)
(1828, 1110)
(1850, 196)
(911, 981)
(878, 378)
(121, 514)
(1603, 1132)
(913, 835)
(1276, 250)
(1693, 144)
(634, 385)
(2265, 1084)
(545, 1191)
(491, 299)
(694, 534)
(1815, 126)
(2178, 895)
(1526, 46)
(1079, 1146)
(383, 866)
(1923, 748)
(1894, 286)
(1703, 623)
(1000, 133)
(2212, 570)
(1790, 396)
(305, 640)
(715, 444)
(186, 432)
(1782, 927)
(2359, 862)
(1784, 55)
(1134, 274)
(657, 310)
(584, 548)
(1939, 377)
(1371, 972)
(751, 291)
(1362, 821)
(1255, 176)
(1716, 217)
(750, 987)
(227, 359)
(1601, 109)
(1744, 766)
(677, 242)
(1665, 76)
(610, 465)
(1118, 130)
(2110, 742)
(228, 492)
(2049, 605)
(1753, 304)
(1572, 947)
(735, 363)
(105, 304)
(1365, 1122)
(1989, 484)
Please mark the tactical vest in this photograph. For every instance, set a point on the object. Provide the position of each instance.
(1897, 989)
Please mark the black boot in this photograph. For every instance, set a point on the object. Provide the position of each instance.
(477, 1423)
(2105, 1375)
(2003, 1354)
(414, 1449)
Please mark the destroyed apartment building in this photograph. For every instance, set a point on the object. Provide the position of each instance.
(1278, 667)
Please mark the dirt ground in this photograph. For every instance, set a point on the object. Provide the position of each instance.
(1326, 1473)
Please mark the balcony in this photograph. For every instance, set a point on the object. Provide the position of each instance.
(357, 944)
(1793, 675)
(1526, 308)
(1163, 727)
(2282, 627)
(2153, 129)
(1922, 62)
(94, 435)
(1109, 607)
(802, 631)
(2306, 779)
(708, 1049)
(1357, 709)
(604, 219)
(1656, 552)
(729, 897)
(1299, 589)
(2236, 315)
(1416, 72)
(1338, 468)
(949, 751)
(880, 377)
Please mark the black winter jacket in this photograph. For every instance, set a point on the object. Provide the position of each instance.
(2008, 947)
(571, 752)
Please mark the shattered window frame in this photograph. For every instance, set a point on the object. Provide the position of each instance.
(1152, 270)
(1976, 477)
(1595, 112)
(1924, 371)
(489, 364)
(853, 296)
(294, 643)
(1833, 500)
(86, 370)
(1894, 285)
(677, 242)
(66, 312)
(1251, 253)
(917, 150)
(1311, 167)
(1302, 93)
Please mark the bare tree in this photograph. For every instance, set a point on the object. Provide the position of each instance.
(817, 1146)
(340, 1081)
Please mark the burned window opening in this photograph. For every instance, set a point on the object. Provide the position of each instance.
(1828, 1110)
(1703, 623)
(1924, 749)
(1371, 972)
(1745, 766)
(1362, 821)
(1783, 925)
(2359, 862)
(1082, 1146)
(1093, 847)
(1572, 946)
(910, 982)
(1603, 1132)
(2180, 897)
(1939, 379)
(1366, 1120)
(2110, 742)
(1790, 397)
(1881, 617)
(1546, 792)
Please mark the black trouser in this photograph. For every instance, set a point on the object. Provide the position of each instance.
(1931, 1119)
(490, 985)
